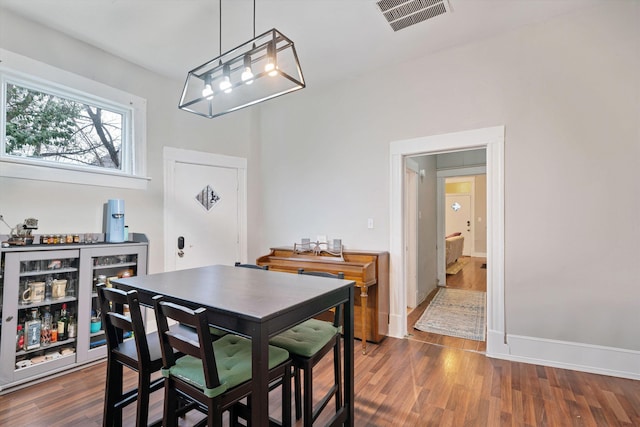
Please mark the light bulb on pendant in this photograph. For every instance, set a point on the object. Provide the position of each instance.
(271, 67)
(225, 84)
(247, 74)
(207, 92)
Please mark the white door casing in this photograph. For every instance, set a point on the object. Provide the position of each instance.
(492, 139)
(205, 203)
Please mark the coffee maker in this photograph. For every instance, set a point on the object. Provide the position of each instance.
(21, 234)
(114, 221)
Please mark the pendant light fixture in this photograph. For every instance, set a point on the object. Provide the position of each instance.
(263, 68)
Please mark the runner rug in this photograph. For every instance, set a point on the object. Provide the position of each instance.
(456, 313)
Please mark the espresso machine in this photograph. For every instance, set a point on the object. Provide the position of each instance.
(22, 233)
(114, 221)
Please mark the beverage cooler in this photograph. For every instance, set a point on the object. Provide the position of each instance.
(49, 313)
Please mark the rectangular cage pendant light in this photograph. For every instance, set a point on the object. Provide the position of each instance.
(258, 70)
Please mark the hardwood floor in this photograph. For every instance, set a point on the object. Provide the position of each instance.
(397, 383)
(422, 381)
(472, 277)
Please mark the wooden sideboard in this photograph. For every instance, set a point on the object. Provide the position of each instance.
(370, 271)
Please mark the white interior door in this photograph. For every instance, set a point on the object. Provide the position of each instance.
(458, 218)
(205, 208)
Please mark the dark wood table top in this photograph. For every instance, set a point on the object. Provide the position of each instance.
(252, 294)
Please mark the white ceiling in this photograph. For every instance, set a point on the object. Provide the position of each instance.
(333, 38)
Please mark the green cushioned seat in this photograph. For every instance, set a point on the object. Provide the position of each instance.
(233, 359)
(307, 338)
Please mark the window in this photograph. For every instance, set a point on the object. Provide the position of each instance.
(44, 126)
(68, 128)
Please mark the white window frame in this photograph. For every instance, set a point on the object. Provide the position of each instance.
(32, 74)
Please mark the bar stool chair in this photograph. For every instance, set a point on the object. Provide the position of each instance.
(215, 374)
(308, 343)
(141, 354)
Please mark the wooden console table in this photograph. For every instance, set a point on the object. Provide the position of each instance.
(370, 271)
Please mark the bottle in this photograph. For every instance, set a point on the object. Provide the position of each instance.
(19, 338)
(45, 333)
(71, 327)
(32, 327)
(63, 324)
(54, 331)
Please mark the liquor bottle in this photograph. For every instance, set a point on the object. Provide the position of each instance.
(71, 329)
(45, 334)
(54, 331)
(32, 327)
(19, 338)
(63, 324)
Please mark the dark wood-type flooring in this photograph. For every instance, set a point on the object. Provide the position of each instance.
(472, 277)
(397, 383)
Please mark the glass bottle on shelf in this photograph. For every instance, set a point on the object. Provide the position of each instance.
(19, 338)
(45, 334)
(63, 324)
(71, 327)
(33, 327)
(54, 330)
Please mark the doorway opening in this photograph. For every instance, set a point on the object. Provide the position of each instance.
(492, 139)
(452, 206)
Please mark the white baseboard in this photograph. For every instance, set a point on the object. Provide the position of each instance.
(615, 362)
(395, 326)
(496, 346)
(479, 254)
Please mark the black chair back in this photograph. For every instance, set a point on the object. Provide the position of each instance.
(339, 275)
(116, 324)
(183, 343)
(257, 267)
(337, 315)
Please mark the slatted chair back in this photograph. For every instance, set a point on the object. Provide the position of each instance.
(337, 318)
(116, 324)
(183, 343)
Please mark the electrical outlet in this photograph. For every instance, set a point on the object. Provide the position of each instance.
(370, 223)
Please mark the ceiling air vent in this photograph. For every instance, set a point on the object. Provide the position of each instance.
(404, 13)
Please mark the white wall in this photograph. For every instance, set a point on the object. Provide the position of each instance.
(568, 92)
(64, 208)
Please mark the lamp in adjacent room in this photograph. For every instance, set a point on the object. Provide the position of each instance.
(260, 69)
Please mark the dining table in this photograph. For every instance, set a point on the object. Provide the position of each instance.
(258, 304)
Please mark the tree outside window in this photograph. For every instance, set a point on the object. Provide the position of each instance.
(44, 126)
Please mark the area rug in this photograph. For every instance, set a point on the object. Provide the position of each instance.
(455, 267)
(456, 313)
